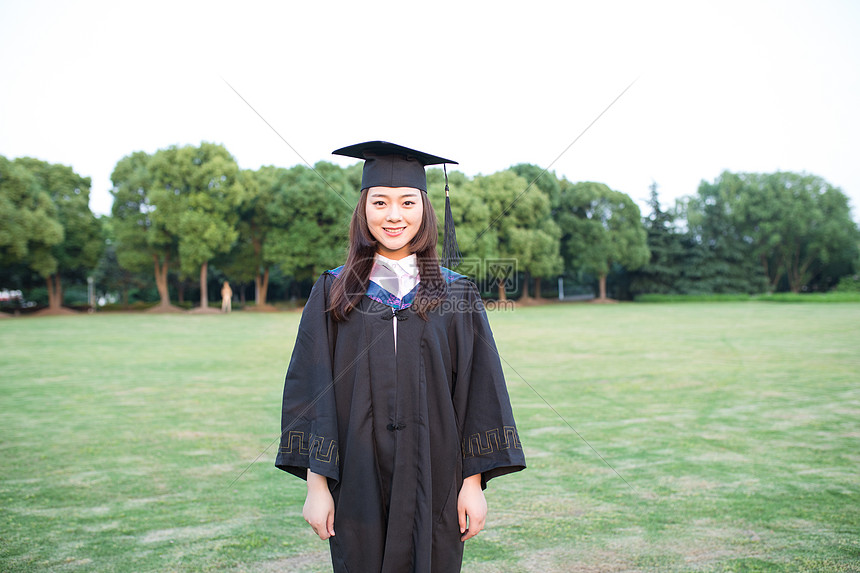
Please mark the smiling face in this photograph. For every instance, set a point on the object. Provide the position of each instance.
(394, 218)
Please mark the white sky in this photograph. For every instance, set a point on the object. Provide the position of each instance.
(744, 86)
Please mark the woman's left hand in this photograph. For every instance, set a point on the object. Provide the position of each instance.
(471, 504)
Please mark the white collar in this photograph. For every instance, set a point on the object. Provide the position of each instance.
(408, 265)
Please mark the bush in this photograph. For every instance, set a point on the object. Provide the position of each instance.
(775, 297)
(135, 306)
(811, 297)
(850, 283)
(722, 297)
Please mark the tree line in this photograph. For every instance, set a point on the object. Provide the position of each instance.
(184, 214)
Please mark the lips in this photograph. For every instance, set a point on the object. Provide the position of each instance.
(393, 231)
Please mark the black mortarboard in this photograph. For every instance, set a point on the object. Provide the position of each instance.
(391, 165)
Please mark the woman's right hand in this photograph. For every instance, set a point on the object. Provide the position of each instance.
(319, 506)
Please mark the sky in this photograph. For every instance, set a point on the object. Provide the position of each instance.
(741, 86)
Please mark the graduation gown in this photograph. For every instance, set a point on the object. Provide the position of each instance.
(396, 434)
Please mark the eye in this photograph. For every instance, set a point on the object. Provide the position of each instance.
(379, 202)
(409, 202)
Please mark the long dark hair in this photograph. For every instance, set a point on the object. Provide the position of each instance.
(351, 284)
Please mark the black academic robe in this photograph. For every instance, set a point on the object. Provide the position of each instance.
(396, 434)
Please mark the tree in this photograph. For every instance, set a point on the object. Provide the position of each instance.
(257, 219)
(547, 244)
(196, 194)
(142, 239)
(477, 242)
(837, 269)
(538, 250)
(30, 226)
(664, 269)
(600, 227)
(718, 259)
(310, 211)
(112, 277)
(544, 180)
(763, 229)
(82, 242)
(797, 223)
(520, 227)
(242, 263)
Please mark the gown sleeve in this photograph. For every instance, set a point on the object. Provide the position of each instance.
(490, 442)
(308, 416)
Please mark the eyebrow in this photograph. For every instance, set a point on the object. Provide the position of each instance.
(401, 196)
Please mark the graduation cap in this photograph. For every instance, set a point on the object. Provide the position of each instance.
(391, 165)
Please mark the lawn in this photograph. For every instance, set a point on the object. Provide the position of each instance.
(732, 431)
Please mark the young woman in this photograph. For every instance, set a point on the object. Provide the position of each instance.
(395, 408)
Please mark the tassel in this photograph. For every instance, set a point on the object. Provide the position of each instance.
(450, 248)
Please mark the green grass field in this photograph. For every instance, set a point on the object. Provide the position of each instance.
(736, 425)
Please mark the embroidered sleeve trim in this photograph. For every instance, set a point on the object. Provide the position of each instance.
(319, 448)
(491, 441)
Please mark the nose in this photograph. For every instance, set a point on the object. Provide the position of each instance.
(393, 214)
